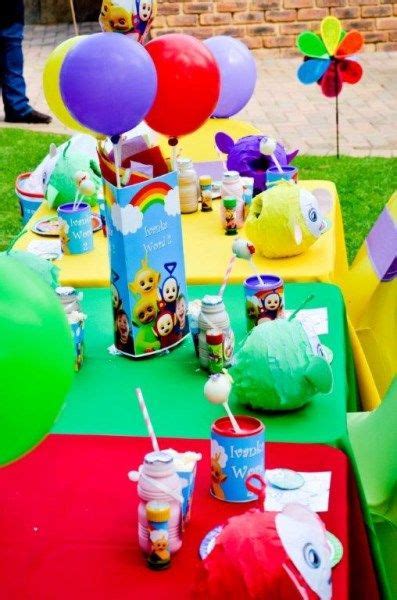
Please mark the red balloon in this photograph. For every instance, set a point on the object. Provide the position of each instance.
(188, 84)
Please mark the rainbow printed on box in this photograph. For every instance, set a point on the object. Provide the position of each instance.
(148, 282)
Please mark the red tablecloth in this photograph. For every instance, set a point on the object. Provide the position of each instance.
(68, 521)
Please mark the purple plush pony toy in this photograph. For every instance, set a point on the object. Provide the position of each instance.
(245, 157)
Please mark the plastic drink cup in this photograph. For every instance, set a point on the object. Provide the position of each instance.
(273, 174)
(29, 202)
(76, 322)
(235, 456)
(186, 468)
(263, 302)
(75, 228)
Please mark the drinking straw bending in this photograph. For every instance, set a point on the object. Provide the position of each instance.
(147, 420)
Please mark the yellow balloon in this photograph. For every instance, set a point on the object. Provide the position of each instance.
(331, 29)
(52, 91)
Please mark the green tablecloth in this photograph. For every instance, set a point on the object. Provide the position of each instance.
(102, 399)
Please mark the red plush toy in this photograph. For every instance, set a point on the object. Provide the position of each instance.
(260, 555)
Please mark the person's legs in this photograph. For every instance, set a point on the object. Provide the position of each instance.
(16, 103)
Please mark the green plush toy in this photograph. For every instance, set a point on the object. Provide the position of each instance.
(280, 367)
(73, 172)
(287, 219)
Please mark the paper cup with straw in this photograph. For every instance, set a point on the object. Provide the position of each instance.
(75, 228)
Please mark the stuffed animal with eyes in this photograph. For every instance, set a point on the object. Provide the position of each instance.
(266, 555)
(73, 172)
(287, 219)
(281, 367)
(246, 156)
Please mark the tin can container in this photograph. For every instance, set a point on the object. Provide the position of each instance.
(273, 174)
(263, 302)
(234, 456)
(75, 228)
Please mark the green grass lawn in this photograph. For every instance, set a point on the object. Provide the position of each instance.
(364, 184)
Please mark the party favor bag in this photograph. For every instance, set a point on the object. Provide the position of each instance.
(148, 281)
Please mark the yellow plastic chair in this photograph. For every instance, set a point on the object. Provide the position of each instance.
(370, 291)
(373, 437)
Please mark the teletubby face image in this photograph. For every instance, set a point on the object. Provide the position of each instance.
(115, 296)
(145, 311)
(164, 324)
(115, 18)
(252, 309)
(181, 311)
(272, 301)
(145, 9)
(123, 325)
(170, 290)
(146, 280)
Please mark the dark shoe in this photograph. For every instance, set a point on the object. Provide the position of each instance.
(34, 116)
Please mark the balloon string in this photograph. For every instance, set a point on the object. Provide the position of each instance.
(174, 158)
(117, 162)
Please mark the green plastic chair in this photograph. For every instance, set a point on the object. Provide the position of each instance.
(373, 437)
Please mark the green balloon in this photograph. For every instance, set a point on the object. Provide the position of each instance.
(36, 358)
(311, 44)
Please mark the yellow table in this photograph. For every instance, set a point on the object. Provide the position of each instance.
(207, 249)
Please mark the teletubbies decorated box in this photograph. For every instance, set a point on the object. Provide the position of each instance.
(148, 284)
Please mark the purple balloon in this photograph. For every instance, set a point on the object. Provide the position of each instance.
(238, 74)
(108, 82)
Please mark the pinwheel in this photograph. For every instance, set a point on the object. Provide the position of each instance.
(326, 59)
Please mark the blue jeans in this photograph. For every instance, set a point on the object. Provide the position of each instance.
(11, 71)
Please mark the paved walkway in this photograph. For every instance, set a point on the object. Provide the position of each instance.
(297, 115)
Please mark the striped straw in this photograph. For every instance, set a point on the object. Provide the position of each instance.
(147, 420)
(227, 275)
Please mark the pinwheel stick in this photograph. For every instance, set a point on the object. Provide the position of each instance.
(336, 113)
